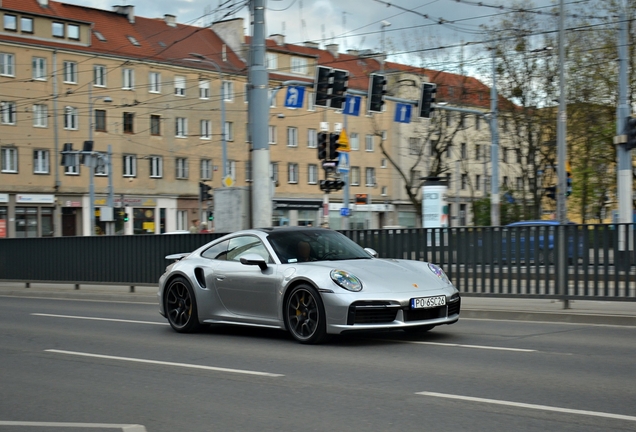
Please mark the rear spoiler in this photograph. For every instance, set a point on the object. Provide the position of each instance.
(178, 256)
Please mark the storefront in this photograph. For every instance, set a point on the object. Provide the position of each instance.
(4, 215)
(296, 212)
(27, 215)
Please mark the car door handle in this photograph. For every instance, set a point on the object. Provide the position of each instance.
(220, 277)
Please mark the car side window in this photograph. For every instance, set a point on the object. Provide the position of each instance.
(243, 245)
(217, 252)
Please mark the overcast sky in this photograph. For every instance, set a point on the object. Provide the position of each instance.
(353, 24)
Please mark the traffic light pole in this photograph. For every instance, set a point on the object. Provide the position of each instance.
(344, 220)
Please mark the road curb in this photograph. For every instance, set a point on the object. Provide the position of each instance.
(84, 296)
(523, 315)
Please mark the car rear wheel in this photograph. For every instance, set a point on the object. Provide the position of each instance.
(181, 306)
(305, 315)
(418, 329)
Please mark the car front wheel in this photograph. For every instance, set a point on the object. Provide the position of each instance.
(305, 315)
(181, 306)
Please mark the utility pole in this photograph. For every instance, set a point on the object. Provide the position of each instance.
(259, 118)
(494, 148)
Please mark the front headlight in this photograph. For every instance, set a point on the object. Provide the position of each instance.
(439, 273)
(346, 280)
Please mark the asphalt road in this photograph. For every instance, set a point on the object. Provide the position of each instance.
(104, 365)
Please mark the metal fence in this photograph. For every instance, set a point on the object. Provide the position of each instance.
(485, 261)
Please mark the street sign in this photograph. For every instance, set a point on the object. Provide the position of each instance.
(343, 142)
(324, 126)
(228, 181)
(352, 105)
(343, 162)
(337, 127)
(345, 212)
(402, 113)
(295, 97)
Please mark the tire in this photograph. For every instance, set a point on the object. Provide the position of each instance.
(419, 329)
(305, 316)
(181, 306)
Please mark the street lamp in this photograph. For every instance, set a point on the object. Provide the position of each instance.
(200, 58)
(91, 160)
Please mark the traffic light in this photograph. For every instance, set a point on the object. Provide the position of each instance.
(204, 192)
(551, 192)
(339, 88)
(630, 131)
(126, 218)
(322, 85)
(333, 145)
(568, 172)
(375, 95)
(322, 145)
(210, 216)
(427, 99)
(331, 185)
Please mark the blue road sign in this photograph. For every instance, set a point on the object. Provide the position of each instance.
(345, 212)
(343, 162)
(352, 105)
(402, 113)
(295, 97)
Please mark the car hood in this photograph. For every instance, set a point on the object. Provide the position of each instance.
(389, 275)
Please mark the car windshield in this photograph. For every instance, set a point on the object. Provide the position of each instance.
(314, 245)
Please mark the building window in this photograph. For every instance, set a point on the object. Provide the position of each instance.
(70, 72)
(155, 125)
(505, 180)
(272, 61)
(181, 165)
(206, 169)
(7, 65)
(101, 167)
(70, 118)
(99, 76)
(355, 176)
(9, 159)
(154, 84)
(179, 85)
(477, 182)
(462, 150)
(156, 167)
(519, 183)
(273, 171)
(130, 166)
(477, 152)
(129, 122)
(73, 31)
(449, 151)
(368, 146)
(292, 173)
(181, 130)
(299, 65)
(354, 141)
(228, 91)
(271, 96)
(38, 66)
(477, 121)
(504, 154)
(40, 115)
(100, 120)
(26, 25)
(272, 134)
(292, 137)
(383, 163)
(204, 89)
(57, 29)
(40, 161)
(433, 147)
(384, 189)
(370, 174)
(464, 181)
(312, 138)
(229, 131)
(8, 113)
(312, 174)
(128, 79)
(248, 171)
(206, 129)
(74, 167)
(311, 102)
(414, 146)
(231, 169)
(10, 22)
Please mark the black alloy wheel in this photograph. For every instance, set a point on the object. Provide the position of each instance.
(305, 315)
(181, 306)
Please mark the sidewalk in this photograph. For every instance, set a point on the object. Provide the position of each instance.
(581, 311)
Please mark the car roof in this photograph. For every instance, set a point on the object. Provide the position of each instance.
(537, 222)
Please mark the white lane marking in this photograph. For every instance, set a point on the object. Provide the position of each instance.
(163, 363)
(99, 319)
(529, 406)
(79, 300)
(123, 427)
(486, 347)
(551, 322)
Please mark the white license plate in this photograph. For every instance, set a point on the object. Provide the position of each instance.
(428, 302)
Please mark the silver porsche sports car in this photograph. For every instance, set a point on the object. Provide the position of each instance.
(310, 281)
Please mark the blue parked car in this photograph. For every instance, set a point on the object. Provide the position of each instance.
(534, 240)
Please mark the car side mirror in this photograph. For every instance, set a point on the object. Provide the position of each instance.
(254, 259)
(371, 252)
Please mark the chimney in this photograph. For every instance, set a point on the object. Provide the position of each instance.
(43, 3)
(171, 20)
(128, 10)
(232, 32)
(353, 52)
(278, 38)
(310, 44)
(333, 49)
